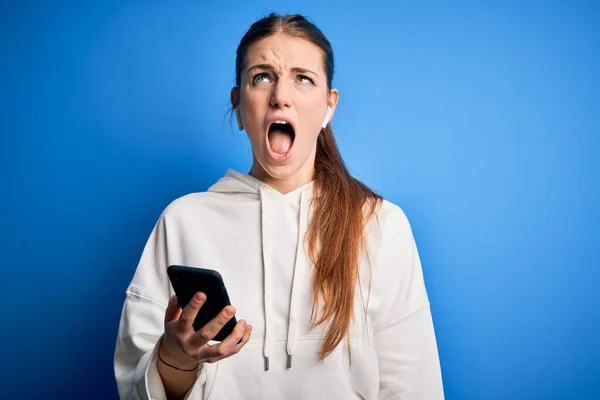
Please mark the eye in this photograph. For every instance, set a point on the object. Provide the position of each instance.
(261, 77)
(305, 79)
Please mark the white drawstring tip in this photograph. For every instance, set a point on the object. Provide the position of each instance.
(266, 363)
(289, 361)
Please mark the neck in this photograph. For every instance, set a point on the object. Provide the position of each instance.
(288, 182)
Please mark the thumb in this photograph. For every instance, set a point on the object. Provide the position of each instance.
(173, 310)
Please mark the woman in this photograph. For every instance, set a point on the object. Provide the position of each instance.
(324, 271)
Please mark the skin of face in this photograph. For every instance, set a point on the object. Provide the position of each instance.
(284, 78)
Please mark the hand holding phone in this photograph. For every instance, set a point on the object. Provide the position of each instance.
(189, 327)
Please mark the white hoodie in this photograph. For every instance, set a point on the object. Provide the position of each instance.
(250, 234)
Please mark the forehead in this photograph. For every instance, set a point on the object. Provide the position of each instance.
(285, 52)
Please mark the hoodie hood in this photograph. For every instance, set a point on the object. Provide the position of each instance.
(236, 182)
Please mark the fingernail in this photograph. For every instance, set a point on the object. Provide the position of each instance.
(242, 323)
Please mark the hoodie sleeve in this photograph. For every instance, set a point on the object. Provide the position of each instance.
(142, 324)
(404, 336)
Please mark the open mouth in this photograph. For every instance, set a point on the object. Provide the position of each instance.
(281, 137)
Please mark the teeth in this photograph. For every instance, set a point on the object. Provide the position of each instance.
(280, 122)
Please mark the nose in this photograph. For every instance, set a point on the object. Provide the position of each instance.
(281, 96)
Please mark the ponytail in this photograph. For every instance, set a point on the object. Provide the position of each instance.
(336, 239)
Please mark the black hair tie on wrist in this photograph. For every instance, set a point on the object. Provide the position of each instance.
(174, 367)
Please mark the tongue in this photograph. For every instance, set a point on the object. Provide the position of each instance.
(280, 141)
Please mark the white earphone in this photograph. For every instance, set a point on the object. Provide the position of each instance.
(327, 116)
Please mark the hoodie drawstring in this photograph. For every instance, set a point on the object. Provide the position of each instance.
(300, 259)
(266, 253)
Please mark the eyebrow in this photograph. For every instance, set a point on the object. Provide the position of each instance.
(271, 68)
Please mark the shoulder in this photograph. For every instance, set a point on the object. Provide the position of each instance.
(188, 206)
(390, 222)
(397, 273)
(391, 212)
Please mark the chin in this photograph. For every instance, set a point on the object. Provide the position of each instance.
(293, 168)
(279, 171)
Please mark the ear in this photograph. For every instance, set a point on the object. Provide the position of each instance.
(235, 102)
(235, 97)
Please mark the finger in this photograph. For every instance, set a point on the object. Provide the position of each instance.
(173, 310)
(227, 346)
(188, 315)
(210, 330)
(245, 339)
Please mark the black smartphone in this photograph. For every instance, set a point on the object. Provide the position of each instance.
(187, 281)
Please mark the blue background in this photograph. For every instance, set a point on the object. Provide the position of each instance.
(481, 121)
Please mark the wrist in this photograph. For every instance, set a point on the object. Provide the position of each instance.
(177, 363)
